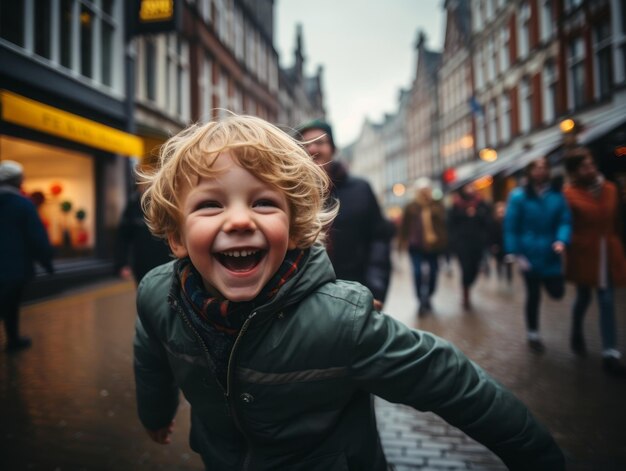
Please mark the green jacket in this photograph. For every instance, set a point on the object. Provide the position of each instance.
(301, 378)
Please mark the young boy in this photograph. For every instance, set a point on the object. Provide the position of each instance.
(278, 359)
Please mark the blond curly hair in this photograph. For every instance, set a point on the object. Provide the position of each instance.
(264, 150)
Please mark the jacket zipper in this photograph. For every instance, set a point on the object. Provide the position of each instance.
(244, 328)
(233, 412)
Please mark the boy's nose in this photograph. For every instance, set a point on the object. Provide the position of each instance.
(239, 219)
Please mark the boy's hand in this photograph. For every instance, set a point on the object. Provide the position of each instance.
(558, 247)
(162, 435)
(378, 305)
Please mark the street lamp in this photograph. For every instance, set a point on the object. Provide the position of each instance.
(488, 154)
(398, 189)
(567, 125)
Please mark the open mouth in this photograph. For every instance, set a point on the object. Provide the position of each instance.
(240, 260)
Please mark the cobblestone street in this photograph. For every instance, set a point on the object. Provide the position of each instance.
(68, 402)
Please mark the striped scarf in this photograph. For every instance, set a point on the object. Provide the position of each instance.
(218, 320)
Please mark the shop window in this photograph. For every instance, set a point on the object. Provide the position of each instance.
(61, 183)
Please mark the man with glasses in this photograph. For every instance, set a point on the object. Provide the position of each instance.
(359, 240)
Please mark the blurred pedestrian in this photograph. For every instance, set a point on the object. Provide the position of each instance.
(423, 232)
(137, 251)
(595, 259)
(537, 227)
(23, 240)
(496, 243)
(469, 219)
(359, 242)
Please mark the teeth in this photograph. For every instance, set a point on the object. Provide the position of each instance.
(239, 253)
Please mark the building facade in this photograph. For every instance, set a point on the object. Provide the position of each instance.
(65, 118)
(423, 114)
(456, 125)
(89, 88)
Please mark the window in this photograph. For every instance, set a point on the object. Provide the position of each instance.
(80, 35)
(526, 100)
(523, 44)
(150, 69)
(177, 77)
(11, 28)
(66, 33)
(571, 4)
(206, 88)
(602, 63)
(547, 20)
(504, 48)
(41, 31)
(477, 12)
(491, 60)
(505, 117)
(492, 124)
(205, 10)
(480, 131)
(478, 68)
(576, 68)
(549, 92)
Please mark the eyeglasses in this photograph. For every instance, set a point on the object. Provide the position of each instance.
(318, 142)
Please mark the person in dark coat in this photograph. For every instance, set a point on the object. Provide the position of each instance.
(537, 228)
(137, 250)
(23, 241)
(359, 242)
(468, 220)
(595, 258)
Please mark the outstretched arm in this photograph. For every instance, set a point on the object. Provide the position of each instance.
(428, 373)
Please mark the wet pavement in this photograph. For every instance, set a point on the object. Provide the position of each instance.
(68, 402)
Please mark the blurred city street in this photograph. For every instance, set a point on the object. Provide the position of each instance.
(68, 402)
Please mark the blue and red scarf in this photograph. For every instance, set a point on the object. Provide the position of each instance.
(218, 320)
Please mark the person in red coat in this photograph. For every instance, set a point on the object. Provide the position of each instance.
(595, 259)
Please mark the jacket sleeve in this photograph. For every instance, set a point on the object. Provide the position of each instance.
(157, 393)
(421, 370)
(564, 232)
(513, 224)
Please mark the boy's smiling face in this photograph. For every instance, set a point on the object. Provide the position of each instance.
(235, 230)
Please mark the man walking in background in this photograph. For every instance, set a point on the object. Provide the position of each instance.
(359, 240)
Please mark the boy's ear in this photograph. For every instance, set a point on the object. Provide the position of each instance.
(292, 244)
(177, 246)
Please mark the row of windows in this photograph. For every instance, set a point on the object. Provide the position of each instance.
(82, 38)
(242, 38)
(492, 57)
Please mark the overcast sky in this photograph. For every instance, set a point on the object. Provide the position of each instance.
(367, 48)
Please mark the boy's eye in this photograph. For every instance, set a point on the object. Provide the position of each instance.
(208, 205)
(265, 203)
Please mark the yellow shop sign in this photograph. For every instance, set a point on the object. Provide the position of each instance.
(25, 112)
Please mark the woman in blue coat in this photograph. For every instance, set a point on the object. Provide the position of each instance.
(537, 227)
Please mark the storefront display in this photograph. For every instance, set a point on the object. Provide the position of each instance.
(61, 183)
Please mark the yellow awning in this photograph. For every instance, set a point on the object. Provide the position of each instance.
(29, 113)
